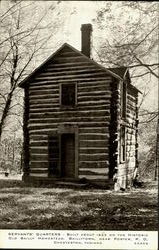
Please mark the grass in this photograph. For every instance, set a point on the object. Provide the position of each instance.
(24, 207)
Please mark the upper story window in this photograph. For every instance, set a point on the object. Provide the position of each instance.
(123, 99)
(68, 94)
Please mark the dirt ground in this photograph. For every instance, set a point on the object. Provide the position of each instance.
(23, 207)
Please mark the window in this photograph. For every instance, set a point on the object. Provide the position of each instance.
(68, 94)
(123, 99)
(122, 144)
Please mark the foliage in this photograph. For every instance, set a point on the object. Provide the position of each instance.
(147, 150)
(133, 42)
(11, 155)
(24, 36)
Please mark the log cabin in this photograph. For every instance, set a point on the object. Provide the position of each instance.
(80, 119)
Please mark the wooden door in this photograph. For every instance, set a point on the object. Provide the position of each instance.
(68, 155)
(53, 147)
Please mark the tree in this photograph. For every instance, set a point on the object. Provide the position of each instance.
(133, 37)
(24, 36)
(132, 41)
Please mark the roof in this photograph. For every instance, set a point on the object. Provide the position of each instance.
(118, 73)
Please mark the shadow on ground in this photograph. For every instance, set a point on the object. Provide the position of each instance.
(24, 207)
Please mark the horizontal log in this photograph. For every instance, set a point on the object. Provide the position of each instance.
(51, 131)
(94, 130)
(70, 53)
(70, 119)
(38, 150)
(44, 96)
(44, 105)
(94, 150)
(39, 170)
(36, 137)
(81, 124)
(87, 102)
(70, 64)
(38, 157)
(93, 136)
(70, 76)
(84, 100)
(43, 91)
(39, 164)
(90, 172)
(96, 82)
(93, 98)
(93, 164)
(93, 143)
(76, 58)
(131, 116)
(95, 170)
(95, 177)
(94, 93)
(93, 157)
(73, 67)
(88, 129)
(131, 97)
(67, 71)
(130, 122)
(51, 84)
(40, 80)
(39, 174)
(93, 124)
(78, 108)
(91, 127)
(130, 107)
(43, 131)
(129, 102)
(42, 127)
(98, 87)
(44, 101)
(70, 114)
(42, 86)
(39, 143)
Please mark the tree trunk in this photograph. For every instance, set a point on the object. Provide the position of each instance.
(5, 111)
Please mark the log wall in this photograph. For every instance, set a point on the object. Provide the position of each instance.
(126, 168)
(91, 115)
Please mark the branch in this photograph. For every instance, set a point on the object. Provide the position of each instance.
(3, 16)
(149, 113)
(150, 120)
(3, 96)
(147, 66)
(143, 64)
(145, 37)
(140, 75)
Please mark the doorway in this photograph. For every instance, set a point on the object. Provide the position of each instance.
(68, 155)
